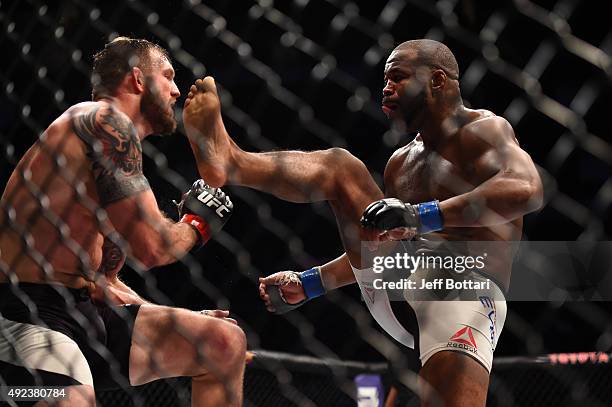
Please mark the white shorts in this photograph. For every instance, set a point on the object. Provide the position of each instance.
(469, 327)
(52, 355)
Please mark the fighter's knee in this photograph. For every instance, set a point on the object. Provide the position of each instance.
(338, 157)
(73, 396)
(344, 163)
(237, 341)
(333, 172)
(229, 343)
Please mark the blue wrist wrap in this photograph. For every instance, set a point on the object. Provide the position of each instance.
(311, 281)
(430, 216)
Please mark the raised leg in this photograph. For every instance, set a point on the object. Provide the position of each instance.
(170, 342)
(295, 176)
(333, 175)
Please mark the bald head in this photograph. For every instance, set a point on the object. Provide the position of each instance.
(431, 53)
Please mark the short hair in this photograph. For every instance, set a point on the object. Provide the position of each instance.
(434, 54)
(118, 57)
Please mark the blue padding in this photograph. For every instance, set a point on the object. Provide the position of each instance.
(311, 281)
(430, 217)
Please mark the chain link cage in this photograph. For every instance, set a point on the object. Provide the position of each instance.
(307, 74)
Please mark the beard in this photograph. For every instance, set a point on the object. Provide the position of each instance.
(158, 114)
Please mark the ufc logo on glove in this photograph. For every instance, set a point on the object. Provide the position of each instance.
(197, 205)
(210, 201)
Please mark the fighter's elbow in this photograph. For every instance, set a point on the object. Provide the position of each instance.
(151, 260)
(150, 253)
(537, 197)
(146, 258)
(530, 195)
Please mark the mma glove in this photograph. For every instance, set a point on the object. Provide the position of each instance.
(391, 213)
(309, 280)
(205, 209)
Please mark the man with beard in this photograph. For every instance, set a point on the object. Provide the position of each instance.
(74, 207)
(465, 167)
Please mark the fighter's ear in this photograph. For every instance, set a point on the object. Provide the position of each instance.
(438, 79)
(137, 79)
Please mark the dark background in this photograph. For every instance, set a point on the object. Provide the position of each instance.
(308, 75)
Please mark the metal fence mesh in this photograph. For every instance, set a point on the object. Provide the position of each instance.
(307, 74)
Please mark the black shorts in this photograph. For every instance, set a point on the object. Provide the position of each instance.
(55, 336)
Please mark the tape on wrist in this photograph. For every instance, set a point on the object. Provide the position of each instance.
(430, 216)
(312, 283)
(201, 227)
(279, 303)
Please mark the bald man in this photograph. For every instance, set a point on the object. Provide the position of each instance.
(464, 167)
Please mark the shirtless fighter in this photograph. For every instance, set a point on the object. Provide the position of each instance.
(466, 170)
(74, 207)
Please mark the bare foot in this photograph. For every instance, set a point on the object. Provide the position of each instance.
(206, 132)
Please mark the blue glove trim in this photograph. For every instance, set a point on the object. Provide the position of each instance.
(311, 281)
(430, 217)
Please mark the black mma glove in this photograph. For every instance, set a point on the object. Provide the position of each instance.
(391, 213)
(206, 209)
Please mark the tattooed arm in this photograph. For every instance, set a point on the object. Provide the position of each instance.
(114, 149)
(108, 288)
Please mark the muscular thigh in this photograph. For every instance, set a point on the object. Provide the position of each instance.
(455, 379)
(170, 342)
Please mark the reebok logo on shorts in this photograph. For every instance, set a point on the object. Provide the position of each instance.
(463, 339)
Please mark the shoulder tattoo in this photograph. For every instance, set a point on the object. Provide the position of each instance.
(115, 153)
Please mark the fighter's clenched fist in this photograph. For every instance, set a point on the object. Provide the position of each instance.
(287, 290)
(206, 209)
(402, 220)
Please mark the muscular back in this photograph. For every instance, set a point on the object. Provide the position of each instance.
(52, 227)
(459, 164)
